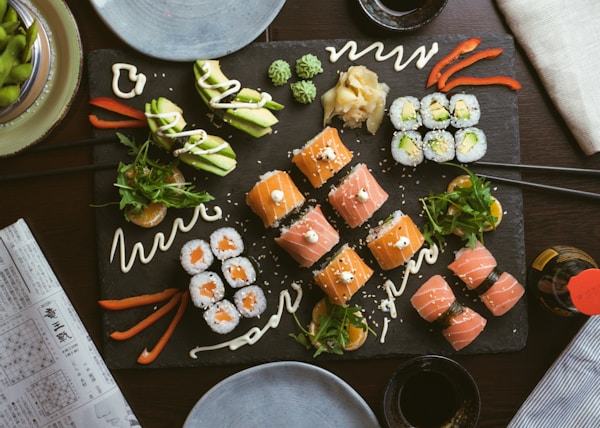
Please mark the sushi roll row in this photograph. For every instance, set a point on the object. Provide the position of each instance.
(409, 148)
(435, 111)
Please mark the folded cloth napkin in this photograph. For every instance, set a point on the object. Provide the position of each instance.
(562, 40)
(569, 393)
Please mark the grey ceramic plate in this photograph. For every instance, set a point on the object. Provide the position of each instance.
(185, 30)
(282, 394)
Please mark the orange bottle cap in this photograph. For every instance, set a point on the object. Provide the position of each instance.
(585, 291)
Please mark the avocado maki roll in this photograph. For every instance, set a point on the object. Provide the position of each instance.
(465, 110)
(407, 148)
(471, 144)
(438, 146)
(405, 113)
(435, 111)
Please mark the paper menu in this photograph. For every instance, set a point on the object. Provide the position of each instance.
(51, 373)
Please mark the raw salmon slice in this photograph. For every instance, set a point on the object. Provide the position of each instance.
(273, 197)
(309, 238)
(395, 241)
(433, 298)
(343, 275)
(358, 196)
(503, 295)
(322, 157)
(473, 265)
(464, 328)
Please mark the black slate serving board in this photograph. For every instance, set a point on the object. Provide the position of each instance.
(408, 334)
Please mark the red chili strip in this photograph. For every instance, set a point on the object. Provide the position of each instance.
(149, 320)
(478, 56)
(509, 82)
(116, 106)
(135, 301)
(147, 357)
(116, 124)
(464, 47)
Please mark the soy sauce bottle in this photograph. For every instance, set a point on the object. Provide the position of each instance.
(550, 273)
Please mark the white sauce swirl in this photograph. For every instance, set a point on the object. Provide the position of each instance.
(277, 196)
(311, 236)
(346, 277)
(362, 195)
(138, 78)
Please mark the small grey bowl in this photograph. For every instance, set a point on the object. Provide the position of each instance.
(383, 13)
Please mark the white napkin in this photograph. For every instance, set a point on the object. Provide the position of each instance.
(569, 393)
(562, 40)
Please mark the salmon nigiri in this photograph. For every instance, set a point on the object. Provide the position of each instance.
(503, 295)
(464, 328)
(395, 241)
(309, 238)
(343, 275)
(433, 298)
(273, 197)
(358, 196)
(322, 157)
(473, 265)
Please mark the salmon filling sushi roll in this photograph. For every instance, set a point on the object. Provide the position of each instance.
(206, 288)
(395, 241)
(226, 242)
(433, 299)
(222, 317)
(464, 328)
(473, 265)
(238, 271)
(309, 238)
(343, 275)
(358, 196)
(322, 157)
(250, 301)
(273, 197)
(503, 295)
(196, 256)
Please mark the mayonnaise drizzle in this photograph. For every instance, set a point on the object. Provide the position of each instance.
(233, 87)
(386, 322)
(159, 242)
(138, 78)
(175, 117)
(255, 333)
(430, 255)
(353, 54)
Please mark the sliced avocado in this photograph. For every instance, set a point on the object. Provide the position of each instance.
(438, 111)
(247, 127)
(199, 163)
(248, 95)
(408, 111)
(408, 145)
(468, 142)
(461, 110)
(211, 142)
(258, 116)
(153, 123)
(163, 105)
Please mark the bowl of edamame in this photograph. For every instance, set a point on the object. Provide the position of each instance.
(24, 58)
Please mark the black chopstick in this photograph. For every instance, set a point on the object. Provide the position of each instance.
(70, 144)
(558, 169)
(56, 171)
(564, 190)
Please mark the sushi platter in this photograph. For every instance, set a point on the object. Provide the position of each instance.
(407, 334)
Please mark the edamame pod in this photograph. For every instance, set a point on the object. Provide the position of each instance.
(9, 94)
(19, 73)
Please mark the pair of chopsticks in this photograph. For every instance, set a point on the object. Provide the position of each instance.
(563, 190)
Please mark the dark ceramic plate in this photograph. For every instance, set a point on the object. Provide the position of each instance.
(399, 15)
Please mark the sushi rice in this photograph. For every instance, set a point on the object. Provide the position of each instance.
(471, 144)
(226, 242)
(405, 113)
(435, 111)
(465, 110)
(222, 317)
(438, 146)
(250, 301)
(206, 288)
(238, 271)
(196, 256)
(407, 148)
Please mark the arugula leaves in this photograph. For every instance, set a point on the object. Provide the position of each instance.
(466, 209)
(146, 181)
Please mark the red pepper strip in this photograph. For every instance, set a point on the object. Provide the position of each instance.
(146, 357)
(115, 124)
(467, 46)
(116, 106)
(135, 301)
(149, 320)
(478, 81)
(478, 56)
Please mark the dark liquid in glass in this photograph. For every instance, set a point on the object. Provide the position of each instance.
(402, 5)
(428, 400)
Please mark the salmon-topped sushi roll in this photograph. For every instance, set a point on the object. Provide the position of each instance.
(343, 275)
(273, 197)
(322, 157)
(473, 265)
(503, 295)
(464, 328)
(394, 241)
(309, 238)
(433, 299)
(358, 196)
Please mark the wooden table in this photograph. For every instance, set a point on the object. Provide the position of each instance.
(58, 211)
